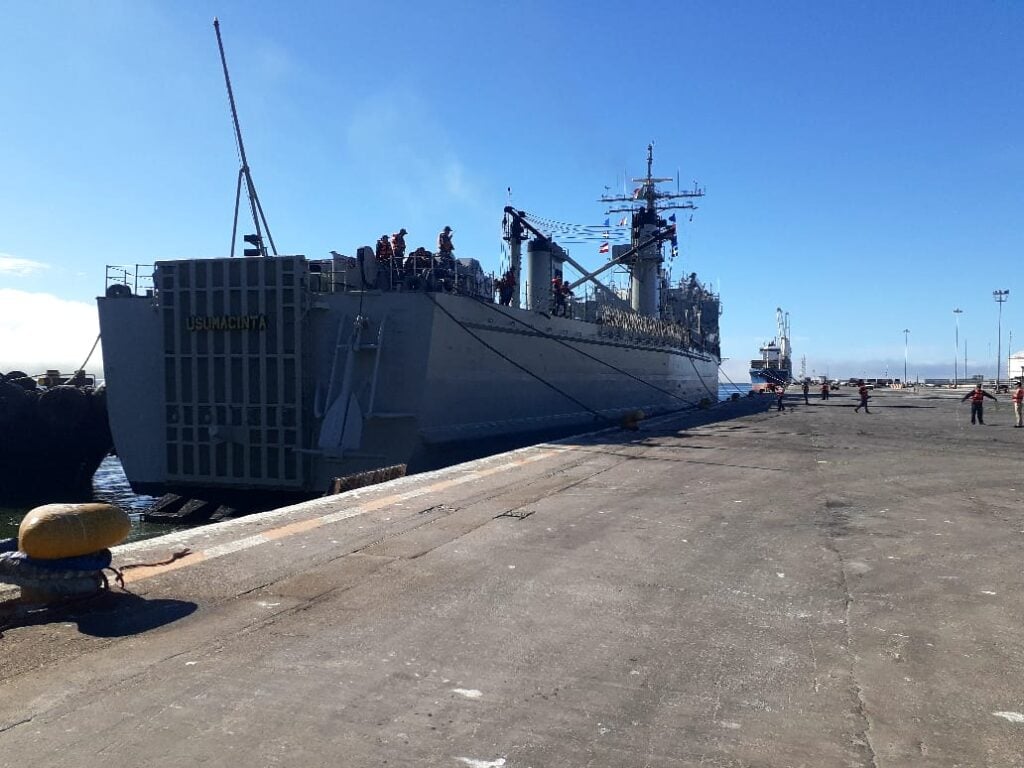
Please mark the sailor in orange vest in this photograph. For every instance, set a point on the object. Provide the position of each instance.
(444, 243)
(384, 251)
(1018, 404)
(558, 295)
(862, 390)
(398, 244)
(977, 396)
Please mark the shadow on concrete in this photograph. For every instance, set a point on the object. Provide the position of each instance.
(108, 614)
(880, 407)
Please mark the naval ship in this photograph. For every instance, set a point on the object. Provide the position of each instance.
(281, 373)
(775, 366)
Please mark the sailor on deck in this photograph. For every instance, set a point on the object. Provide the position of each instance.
(444, 243)
(506, 287)
(398, 244)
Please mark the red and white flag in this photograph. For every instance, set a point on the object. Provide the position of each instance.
(605, 247)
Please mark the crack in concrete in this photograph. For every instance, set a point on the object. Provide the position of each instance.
(12, 726)
(864, 738)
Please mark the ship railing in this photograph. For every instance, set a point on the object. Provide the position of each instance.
(137, 278)
(394, 275)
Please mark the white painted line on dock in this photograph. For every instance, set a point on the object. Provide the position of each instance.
(301, 526)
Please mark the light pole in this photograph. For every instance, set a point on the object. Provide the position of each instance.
(1000, 297)
(956, 349)
(906, 354)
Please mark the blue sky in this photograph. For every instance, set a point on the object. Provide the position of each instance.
(864, 162)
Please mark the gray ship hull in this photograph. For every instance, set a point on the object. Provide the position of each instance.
(220, 386)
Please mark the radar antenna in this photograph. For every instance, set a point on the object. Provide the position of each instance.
(648, 192)
(244, 173)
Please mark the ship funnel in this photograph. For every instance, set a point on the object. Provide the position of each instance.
(545, 261)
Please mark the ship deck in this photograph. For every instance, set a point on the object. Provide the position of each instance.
(731, 587)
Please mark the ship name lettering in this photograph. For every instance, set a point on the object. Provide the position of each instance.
(226, 323)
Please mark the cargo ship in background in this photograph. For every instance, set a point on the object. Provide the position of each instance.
(775, 366)
(271, 373)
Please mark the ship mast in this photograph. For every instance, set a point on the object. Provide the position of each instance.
(645, 265)
(258, 216)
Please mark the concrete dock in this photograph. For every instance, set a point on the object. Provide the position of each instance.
(814, 587)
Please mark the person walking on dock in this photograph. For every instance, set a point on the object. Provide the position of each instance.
(824, 391)
(1018, 404)
(807, 389)
(978, 396)
(780, 394)
(862, 390)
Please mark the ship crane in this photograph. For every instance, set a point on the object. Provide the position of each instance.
(545, 254)
(255, 239)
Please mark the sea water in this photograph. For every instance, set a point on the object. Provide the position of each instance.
(109, 485)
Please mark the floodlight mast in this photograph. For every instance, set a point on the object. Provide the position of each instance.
(1000, 297)
(243, 172)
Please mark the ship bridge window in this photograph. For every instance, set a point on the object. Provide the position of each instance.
(252, 271)
(234, 274)
(217, 275)
(201, 274)
(185, 276)
(237, 461)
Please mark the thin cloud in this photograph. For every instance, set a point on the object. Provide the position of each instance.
(40, 331)
(412, 160)
(12, 265)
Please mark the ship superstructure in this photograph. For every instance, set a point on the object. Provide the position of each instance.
(775, 366)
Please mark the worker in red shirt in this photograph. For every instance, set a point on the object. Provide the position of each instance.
(977, 396)
(1018, 404)
(862, 390)
(824, 391)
